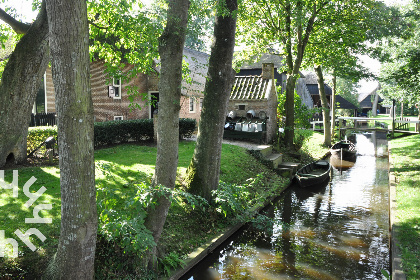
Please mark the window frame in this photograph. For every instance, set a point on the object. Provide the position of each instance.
(116, 83)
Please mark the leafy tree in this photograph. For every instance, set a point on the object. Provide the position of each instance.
(285, 26)
(203, 171)
(20, 82)
(68, 38)
(337, 47)
(400, 56)
(171, 45)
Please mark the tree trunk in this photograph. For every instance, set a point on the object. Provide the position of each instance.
(203, 171)
(171, 46)
(69, 39)
(325, 106)
(289, 129)
(375, 103)
(20, 83)
(334, 91)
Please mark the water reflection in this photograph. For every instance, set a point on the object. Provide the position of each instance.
(335, 231)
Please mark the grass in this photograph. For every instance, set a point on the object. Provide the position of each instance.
(406, 158)
(120, 172)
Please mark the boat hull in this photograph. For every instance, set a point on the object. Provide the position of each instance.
(314, 173)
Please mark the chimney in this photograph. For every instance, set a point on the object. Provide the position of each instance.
(267, 71)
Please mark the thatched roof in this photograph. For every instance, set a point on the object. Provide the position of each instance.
(343, 103)
(314, 90)
(250, 88)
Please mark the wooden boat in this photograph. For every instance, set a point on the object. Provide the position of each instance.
(313, 173)
(344, 150)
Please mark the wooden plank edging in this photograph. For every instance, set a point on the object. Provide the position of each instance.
(397, 272)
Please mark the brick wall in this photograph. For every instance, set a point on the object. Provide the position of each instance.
(106, 108)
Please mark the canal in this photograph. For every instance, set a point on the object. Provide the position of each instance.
(339, 230)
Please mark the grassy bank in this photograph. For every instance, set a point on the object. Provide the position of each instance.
(405, 155)
(123, 175)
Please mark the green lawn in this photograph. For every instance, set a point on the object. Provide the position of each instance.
(122, 172)
(405, 155)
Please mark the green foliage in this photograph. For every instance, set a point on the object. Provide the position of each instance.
(112, 132)
(405, 157)
(187, 127)
(123, 131)
(303, 114)
(37, 135)
(170, 262)
(122, 214)
(234, 200)
(400, 56)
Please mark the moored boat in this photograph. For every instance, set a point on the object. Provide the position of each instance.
(344, 150)
(313, 173)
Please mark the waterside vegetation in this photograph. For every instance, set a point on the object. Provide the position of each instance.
(405, 155)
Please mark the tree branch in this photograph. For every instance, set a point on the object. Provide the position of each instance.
(17, 26)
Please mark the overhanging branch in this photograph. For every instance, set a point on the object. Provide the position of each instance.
(17, 26)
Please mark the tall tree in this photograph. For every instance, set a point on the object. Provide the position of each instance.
(20, 83)
(400, 56)
(337, 47)
(204, 169)
(290, 27)
(324, 104)
(285, 26)
(171, 46)
(69, 38)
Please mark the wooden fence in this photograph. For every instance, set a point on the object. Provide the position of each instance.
(43, 119)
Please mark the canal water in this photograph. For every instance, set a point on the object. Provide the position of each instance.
(339, 230)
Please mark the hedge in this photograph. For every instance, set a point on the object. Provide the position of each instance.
(112, 132)
(37, 135)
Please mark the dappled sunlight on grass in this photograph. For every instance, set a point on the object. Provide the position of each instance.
(405, 155)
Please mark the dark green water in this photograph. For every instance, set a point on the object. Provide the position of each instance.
(336, 231)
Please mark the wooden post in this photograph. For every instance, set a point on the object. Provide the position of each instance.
(393, 118)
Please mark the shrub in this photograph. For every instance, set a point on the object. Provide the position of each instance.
(186, 127)
(37, 135)
(303, 114)
(112, 132)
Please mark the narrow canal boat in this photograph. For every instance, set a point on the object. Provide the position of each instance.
(313, 173)
(344, 150)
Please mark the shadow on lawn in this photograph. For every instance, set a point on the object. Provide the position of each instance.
(29, 264)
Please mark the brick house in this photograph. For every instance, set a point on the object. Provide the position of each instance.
(110, 97)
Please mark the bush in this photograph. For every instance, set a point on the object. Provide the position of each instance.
(112, 132)
(186, 127)
(37, 135)
(303, 114)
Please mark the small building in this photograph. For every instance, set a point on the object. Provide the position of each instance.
(252, 106)
(366, 101)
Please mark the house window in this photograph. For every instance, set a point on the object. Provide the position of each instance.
(117, 88)
(118, 118)
(192, 105)
(241, 107)
(201, 103)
